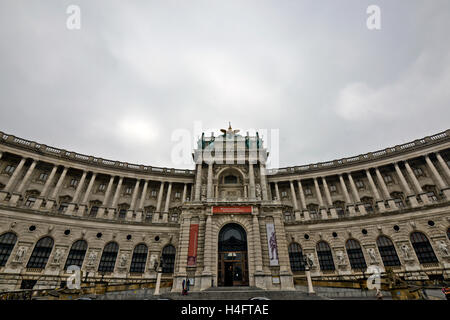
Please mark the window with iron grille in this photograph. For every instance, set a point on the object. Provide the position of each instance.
(108, 259)
(168, 259)
(139, 259)
(296, 257)
(423, 248)
(76, 254)
(30, 201)
(10, 169)
(7, 243)
(355, 254)
(325, 256)
(387, 251)
(41, 253)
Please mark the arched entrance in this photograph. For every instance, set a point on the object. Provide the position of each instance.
(233, 264)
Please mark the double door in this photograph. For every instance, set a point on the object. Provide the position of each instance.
(233, 268)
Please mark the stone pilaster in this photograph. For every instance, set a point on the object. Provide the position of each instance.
(411, 196)
(44, 191)
(333, 212)
(416, 184)
(16, 195)
(375, 192)
(362, 209)
(55, 193)
(385, 190)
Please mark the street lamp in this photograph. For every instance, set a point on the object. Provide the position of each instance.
(308, 263)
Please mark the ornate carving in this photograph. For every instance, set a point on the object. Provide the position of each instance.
(442, 246)
(406, 251)
(58, 254)
(123, 260)
(92, 258)
(20, 254)
(340, 258)
(372, 255)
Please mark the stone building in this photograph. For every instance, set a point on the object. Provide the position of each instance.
(229, 222)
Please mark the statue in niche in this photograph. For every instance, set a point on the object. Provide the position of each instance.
(340, 257)
(92, 257)
(123, 259)
(203, 192)
(372, 255)
(443, 248)
(58, 254)
(258, 191)
(310, 259)
(406, 251)
(20, 254)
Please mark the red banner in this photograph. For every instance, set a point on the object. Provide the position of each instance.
(192, 250)
(232, 209)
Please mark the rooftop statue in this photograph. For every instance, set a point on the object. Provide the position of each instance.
(230, 131)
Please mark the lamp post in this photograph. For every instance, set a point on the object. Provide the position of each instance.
(308, 263)
(158, 268)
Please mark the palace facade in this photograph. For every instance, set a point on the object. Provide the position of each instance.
(229, 222)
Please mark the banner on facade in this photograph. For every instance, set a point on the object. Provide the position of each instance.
(192, 250)
(232, 209)
(272, 242)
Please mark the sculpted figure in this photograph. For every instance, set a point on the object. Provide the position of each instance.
(123, 260)
(406, 251)
(443, 248)
(371, 252)
(258, 191)
(59, 252)
(310, 259)
(92, 257)
(20, 254)
(340, 256)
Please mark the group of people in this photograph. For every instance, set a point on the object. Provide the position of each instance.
(186, 284)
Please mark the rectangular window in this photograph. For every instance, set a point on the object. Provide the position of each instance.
(63, 207)
(73, 182)
(122, 214)
(101, 187)
(10, 169)
(432, 197)
(154, 193)
(43, 176)
(177, 195)
(30, 201)
(387, 178)
(359, 184)
(307, 191)
(283, 194)
(332, 188)
(128, 190)
(174, 217)
(418, 172)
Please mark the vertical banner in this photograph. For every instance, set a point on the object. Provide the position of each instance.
(192, 250)
(272, 242)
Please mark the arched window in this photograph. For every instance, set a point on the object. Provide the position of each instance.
(230, 179)
(7, 242)
(139, 258)
(76, 254)
(40, 254)
(168, 258)
(325, 256)
(387, 252)
(296, 257)
(423, 248)
(109, 255)
(355, 254)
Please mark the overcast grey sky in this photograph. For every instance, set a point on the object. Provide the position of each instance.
(138, 70)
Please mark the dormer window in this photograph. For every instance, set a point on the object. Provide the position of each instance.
(230, 179)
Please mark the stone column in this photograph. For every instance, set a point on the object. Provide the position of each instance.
(323, 211)
(101, 210)
(112, 209)
(44, 191)
(12, 180)
(409, 194)
(140, 209)
(294, 197)
(166, 207)
(286, 279)
(77, 194)
(50, 202)
(158, 202)
(416, 184)
(183, 199)
(333, 212)
(350, 205)
(262, 170)
(303, 201)
(198, 183)
(133, 200)
(385, 190)
(16, 195)
(438, 178)
(362, 209)
(380, 201)
(251, 176)
(209, 187)
(87, 194)
(443, 165)
(277, 191)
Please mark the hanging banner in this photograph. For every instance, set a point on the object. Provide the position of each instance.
(232, 209)
(272, 242)
(192, 250)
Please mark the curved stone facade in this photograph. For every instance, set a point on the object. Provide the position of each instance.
(400, 194)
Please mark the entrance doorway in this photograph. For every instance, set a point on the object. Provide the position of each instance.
(233, 264)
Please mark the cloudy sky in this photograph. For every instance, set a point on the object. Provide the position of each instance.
(137, 71)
